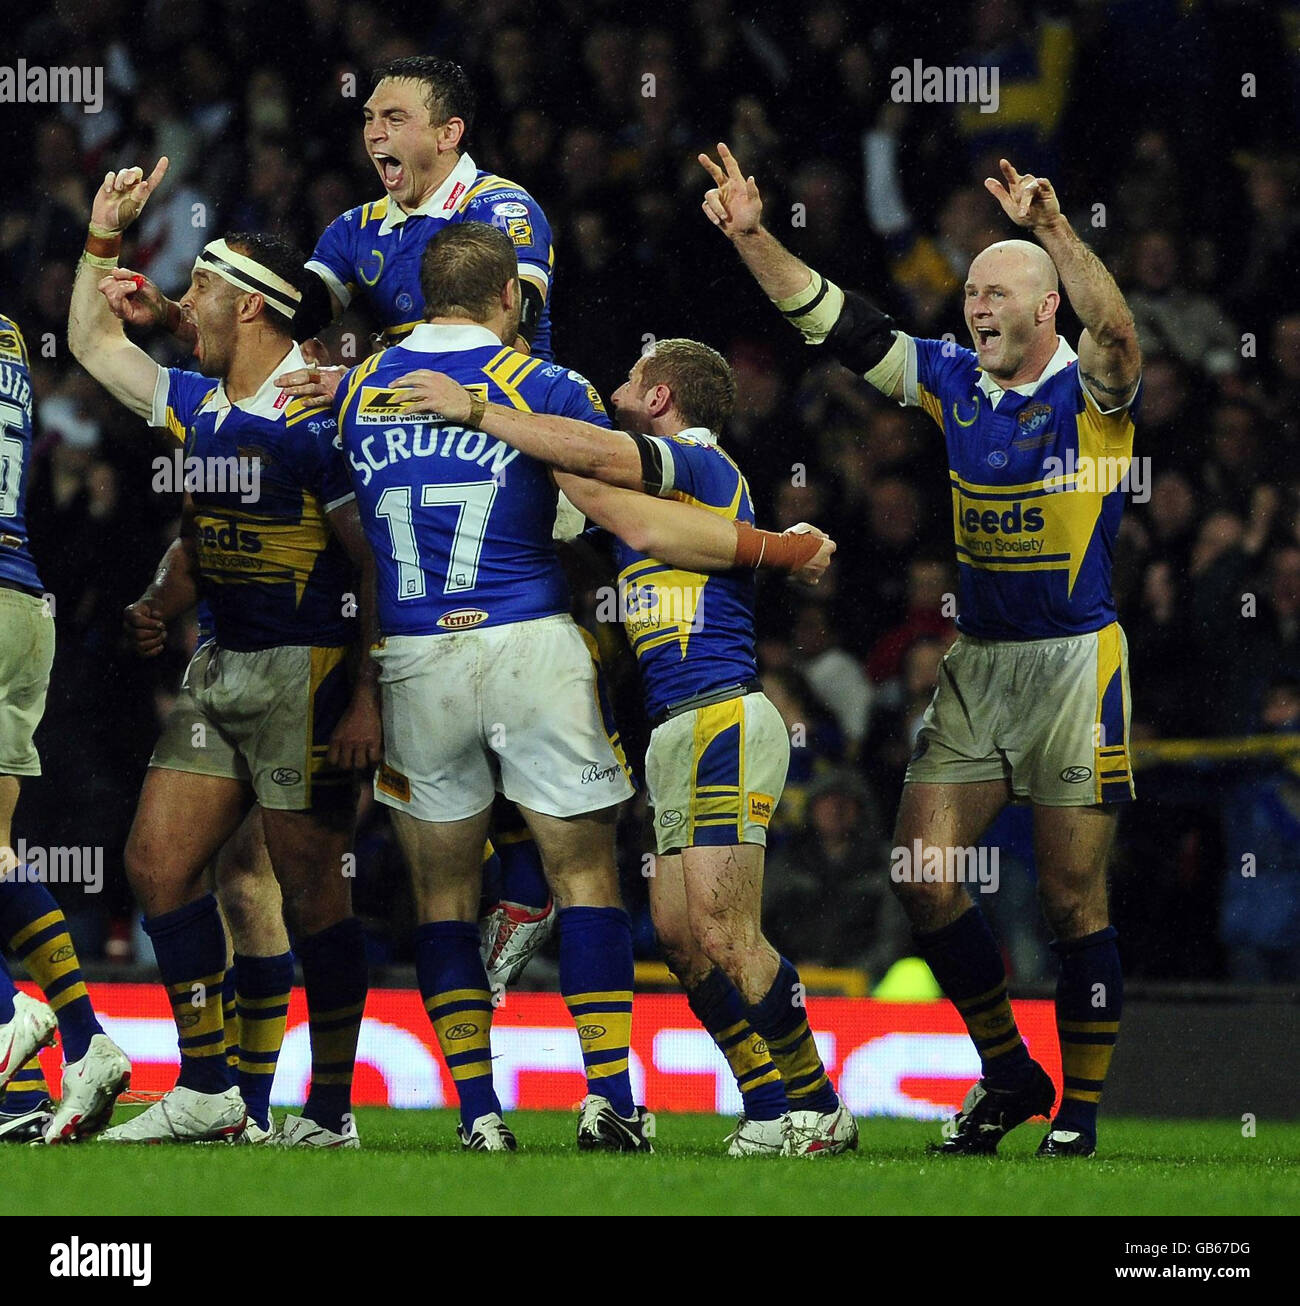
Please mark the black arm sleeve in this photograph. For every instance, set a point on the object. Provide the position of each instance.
(315, 312)
(532, 306)
(652, 463)
(862, 334)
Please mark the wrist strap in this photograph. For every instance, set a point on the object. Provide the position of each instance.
(477, 407)
(107, 264)
(783, 552)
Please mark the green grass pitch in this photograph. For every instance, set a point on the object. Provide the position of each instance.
(411, 1164)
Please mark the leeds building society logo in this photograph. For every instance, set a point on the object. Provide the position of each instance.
(670, 818)
(467, 1029)
(1076, 775)
(286, 775)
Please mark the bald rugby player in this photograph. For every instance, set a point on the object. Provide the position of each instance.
(1033, 697)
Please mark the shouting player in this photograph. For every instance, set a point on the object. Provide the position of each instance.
(1033, 698)
(416, 121)
(719, 751)
(95, 1070)
(267, 710)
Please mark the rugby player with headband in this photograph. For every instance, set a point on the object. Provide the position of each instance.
(280, 706)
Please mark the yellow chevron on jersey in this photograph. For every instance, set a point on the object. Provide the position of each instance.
(1038, 476)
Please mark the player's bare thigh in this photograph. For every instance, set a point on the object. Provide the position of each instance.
(578, 856)
(1072, 848)
(181, 821)
(943, 816)
(445, 859)
(9, 788)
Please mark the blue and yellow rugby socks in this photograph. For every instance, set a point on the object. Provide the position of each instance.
(523, 880)
(1089, 1003)
(27, 1090)
(781, 1019)
(596, 974)
(965, 960)
(718, 1006)
(336, 980)
(33, 927)
(261, 995)
(190, 945)
(454, 986)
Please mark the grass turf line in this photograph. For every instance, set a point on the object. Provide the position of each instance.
(411, 1164)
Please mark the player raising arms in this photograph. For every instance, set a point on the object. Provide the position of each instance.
(719, 751)
(95, 1070)
(267, 711)
(1033, 698)
(416, 121)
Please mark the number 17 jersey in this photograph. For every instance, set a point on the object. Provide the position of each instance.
(459, 522)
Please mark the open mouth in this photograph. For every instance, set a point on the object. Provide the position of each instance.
(986, 335)
(390, 169)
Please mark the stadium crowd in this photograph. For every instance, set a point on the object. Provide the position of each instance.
(601, 117)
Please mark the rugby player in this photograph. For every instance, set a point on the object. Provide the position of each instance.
(416, 121)
(1033, 698)
(486, 681)
(266, 712)
(95, 1070)
(718, 752)
(259, 970)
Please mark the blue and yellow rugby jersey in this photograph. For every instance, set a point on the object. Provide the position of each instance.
(271, 571)
(375, 250)
(691, 632)
(16, 564)
(1036, 496)
(460, 523)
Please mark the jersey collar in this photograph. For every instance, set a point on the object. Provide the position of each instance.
(269, 401)
(443, 201)
(1060, 360)
(700, 434)
(447, 337)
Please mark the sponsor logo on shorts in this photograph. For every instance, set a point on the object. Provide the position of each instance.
(591, 1031)
(598, 774)
(466, 1029)
(286, 775)
(393, 783)
(462, 618)
(760, 809)
(1076, 775)
(670, 818)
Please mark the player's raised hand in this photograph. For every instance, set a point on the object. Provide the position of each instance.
(734, 204)
(311, 382)
(813, 570)
(424, 391)
(1027, 200)
(134, 298)
(145, 630)
(123, 195)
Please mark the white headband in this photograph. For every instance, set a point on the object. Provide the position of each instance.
(248, 274)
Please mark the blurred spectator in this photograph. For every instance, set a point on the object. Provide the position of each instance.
(827, 897)
(1261, 882)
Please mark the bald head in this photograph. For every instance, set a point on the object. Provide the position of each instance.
(1028, 265)
(1012, 294)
